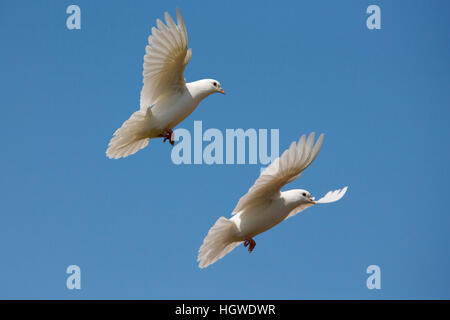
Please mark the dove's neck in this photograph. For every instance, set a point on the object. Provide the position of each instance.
(200, 89)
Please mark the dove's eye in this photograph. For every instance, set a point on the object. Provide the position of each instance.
(215, 84)
(304, 194)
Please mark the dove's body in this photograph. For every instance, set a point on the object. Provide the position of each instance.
(253, 221)
(171, 110)
(227, 234)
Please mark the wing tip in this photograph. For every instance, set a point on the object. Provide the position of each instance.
(344, 190)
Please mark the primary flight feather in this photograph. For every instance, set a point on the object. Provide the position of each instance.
(165, 89)
(265, 205)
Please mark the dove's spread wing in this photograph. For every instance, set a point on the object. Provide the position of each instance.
(165, 60)
(331, 196)
(283, 170)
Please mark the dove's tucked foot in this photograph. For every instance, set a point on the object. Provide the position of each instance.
(250, 243)
(168, 135)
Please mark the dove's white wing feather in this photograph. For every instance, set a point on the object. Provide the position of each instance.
(283, 170)
(331, 196)
(165, 60)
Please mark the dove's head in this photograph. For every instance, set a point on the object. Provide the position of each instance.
(202, 88)
(209, 86)
(304, 196)
(215, 86)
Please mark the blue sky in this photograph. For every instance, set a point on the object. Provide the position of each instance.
(134, 225)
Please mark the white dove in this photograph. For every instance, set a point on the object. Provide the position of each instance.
(265, 205)
(164, 88)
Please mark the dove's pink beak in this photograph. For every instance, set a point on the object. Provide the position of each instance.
(221, 91)
(312, 201)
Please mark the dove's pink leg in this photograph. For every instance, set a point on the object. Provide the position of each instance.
(168, 135)
(250, 243)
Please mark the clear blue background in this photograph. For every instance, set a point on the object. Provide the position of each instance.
(134, 225)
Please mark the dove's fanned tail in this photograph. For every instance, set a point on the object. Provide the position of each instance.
(218, 242)
(131, 136)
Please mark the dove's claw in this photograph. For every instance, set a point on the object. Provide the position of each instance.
(250, 243)
(168, 135)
